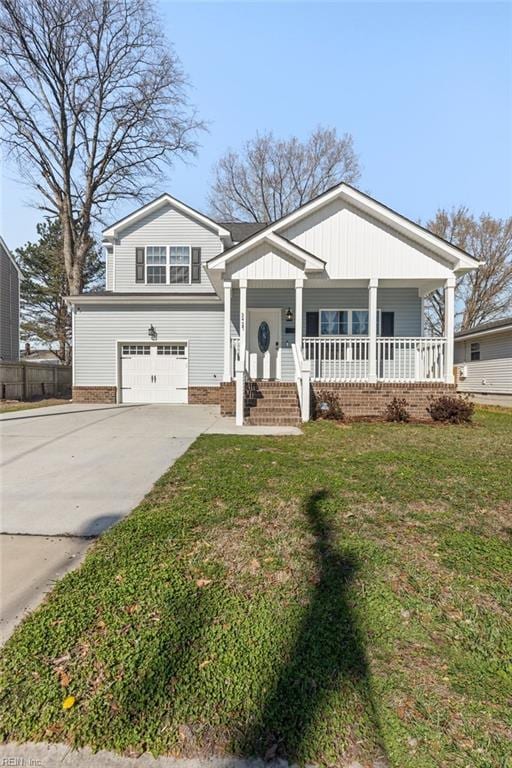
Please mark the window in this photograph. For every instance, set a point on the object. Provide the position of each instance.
(360, 322)
(156, 261)
(333, 322)
(176, 350)
(179, 264)
(345, 322)
(475, 351)
(136, 349)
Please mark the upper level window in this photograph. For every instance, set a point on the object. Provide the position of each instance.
(475, 351)
(179, 264)
(345, 322)
(156, 264)
(168, 264)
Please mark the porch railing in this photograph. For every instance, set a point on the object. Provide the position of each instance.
(410, 358)
(399, 358)
(235, 353)
(337, 358)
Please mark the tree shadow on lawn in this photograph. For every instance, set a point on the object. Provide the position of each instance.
(325, 668)
(326, 656)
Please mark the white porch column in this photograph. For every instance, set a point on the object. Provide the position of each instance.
(243, 319)
(449, 323)
(228, 373)
(373, 284)
(298, 313)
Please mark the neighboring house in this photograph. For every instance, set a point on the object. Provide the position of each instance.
(331, 295)
(48, 356)
(10, 276)
(483, 356)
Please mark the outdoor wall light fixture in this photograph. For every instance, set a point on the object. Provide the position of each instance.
(152, 332)
(289, 315)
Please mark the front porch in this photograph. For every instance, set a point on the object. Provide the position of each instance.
(304, 335)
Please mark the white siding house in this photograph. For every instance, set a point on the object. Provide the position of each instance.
(331, 294)
(483, 356)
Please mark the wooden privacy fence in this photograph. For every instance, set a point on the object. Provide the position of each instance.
(26, 381)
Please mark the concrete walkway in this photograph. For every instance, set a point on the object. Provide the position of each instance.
(56, 755)
(29, 567)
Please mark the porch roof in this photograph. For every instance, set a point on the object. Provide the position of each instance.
(306, 261)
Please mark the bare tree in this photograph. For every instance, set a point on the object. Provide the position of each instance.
(270, 177)
(93, 103)
(485, 294)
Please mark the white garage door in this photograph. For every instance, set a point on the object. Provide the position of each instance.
(154, 373)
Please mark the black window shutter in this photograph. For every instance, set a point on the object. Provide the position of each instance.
(387, 324)
(196, 265)
(312, 325)
(140, 258)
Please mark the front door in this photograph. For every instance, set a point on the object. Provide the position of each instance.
(264, 340)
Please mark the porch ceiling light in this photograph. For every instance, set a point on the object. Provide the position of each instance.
(289, 314)
(152, 332)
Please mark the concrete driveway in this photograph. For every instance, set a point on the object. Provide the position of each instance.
(76, 469)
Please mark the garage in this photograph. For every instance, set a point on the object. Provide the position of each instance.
(154, 373)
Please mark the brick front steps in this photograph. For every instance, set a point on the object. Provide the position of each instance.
(272, 403)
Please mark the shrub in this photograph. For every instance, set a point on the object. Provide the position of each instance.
(451, 410)
(396, 410)
(329, 407)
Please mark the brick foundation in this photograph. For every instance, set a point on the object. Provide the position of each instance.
(204, 395)
(227, 392)
(94, 394)
(360, 401)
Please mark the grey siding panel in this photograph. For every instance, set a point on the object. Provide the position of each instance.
(97, 331)
(493, 372)
(9, 308)
(166, 226)
(492, 347)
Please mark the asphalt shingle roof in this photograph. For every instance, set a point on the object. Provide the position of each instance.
(494, 325)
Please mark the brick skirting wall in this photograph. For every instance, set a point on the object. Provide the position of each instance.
(94, 394)
(360, 401)
(228, 398)
(204, 395)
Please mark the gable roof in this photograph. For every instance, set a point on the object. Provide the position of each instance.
(496, 325)
(166, 199)
(308, 260)
(416, 232)
(4, 247)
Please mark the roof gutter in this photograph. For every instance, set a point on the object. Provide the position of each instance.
(140, 300)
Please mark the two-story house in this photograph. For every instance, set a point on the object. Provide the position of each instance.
(258, 317)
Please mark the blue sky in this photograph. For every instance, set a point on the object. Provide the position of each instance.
(424, 88)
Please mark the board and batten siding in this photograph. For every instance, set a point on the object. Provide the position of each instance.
(9, 308)
(98, 329)
(357, 246)
(493, 372)
(165, 226)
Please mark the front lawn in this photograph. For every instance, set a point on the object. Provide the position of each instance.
(339, 596)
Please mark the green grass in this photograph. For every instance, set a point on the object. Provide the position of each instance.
(7, 406)
(326, 598)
